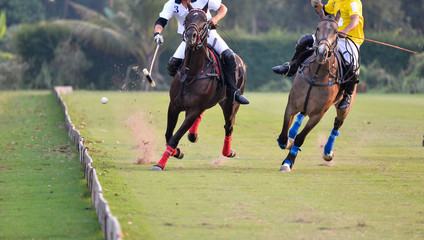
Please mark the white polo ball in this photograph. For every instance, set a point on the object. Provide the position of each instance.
(104, 100)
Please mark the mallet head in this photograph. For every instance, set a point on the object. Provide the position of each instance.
(149, 78)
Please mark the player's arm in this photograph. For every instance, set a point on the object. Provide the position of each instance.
(164, 16)
(221, 12)
(354, 22)
(160, 24)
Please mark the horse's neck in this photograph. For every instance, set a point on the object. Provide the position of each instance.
(195, 60)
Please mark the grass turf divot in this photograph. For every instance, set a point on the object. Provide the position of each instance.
(42, 189)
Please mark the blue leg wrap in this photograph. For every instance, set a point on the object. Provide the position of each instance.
(330, 143)
(288, 162)
(294, 150)
(292, 156)
(296, 125)
(282, 146)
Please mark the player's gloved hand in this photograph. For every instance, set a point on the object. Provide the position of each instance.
(315, 3)
(158, 38)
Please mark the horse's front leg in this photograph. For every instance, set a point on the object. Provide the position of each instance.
(230, 111)
(338, 122)
(171, 149)
(173, 113)
(283, 140)
(288, 163)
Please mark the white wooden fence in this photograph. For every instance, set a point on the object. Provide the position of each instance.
(108, 222)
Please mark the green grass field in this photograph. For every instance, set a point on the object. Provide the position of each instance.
(373, 190)
(43, 194)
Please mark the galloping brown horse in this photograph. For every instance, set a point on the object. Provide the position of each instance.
(315, 89)
(197, 87)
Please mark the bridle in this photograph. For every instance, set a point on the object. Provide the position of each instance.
(314, 77)
(324, 40)
(201, 32)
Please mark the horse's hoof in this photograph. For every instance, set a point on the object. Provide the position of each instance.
(290, 143)
(328, 157)
(179, 154)
(282, 146)
(193, 137)
(156, 168)
(232, 154)
(285, 168)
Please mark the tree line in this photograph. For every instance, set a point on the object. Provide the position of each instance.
(96, 44)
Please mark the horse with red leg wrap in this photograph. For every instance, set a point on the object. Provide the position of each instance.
(316, 87)
(197, 87)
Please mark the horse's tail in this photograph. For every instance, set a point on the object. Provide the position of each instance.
(241, 73)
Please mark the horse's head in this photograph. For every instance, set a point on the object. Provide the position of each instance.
(326, 36)
(196, 26)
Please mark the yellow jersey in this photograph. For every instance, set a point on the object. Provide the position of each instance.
(347, 9)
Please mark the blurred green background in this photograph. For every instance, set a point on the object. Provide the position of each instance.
(94, 44)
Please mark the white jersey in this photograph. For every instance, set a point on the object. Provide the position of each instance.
(175, 8)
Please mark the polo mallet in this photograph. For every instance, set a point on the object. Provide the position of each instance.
(147, 73)
(383, 43)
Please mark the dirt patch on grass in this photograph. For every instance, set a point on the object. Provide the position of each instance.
(144, 135)
(219, 161)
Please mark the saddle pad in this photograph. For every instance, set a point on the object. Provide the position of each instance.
(215, 60)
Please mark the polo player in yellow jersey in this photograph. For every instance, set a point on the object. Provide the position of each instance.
(351, 23)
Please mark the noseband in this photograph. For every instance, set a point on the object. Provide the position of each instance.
(202, 32)
(331, 46)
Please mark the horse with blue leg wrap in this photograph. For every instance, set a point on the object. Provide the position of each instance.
(317, 86)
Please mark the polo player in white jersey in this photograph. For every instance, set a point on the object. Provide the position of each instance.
(179, 9)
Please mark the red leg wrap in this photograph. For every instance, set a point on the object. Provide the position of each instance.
(166, 155)
(195, 126)
(226, 150)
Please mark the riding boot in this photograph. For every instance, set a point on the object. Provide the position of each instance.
(302, 52)
(230, 68)
(285, 69)
(347, 96)
(173, 65)
(351, 77)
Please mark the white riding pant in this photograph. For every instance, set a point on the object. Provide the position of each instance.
(220, 45)
(349, 50)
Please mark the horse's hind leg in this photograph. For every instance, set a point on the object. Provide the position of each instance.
(288, 163)
(229, 111)
(192, 135)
